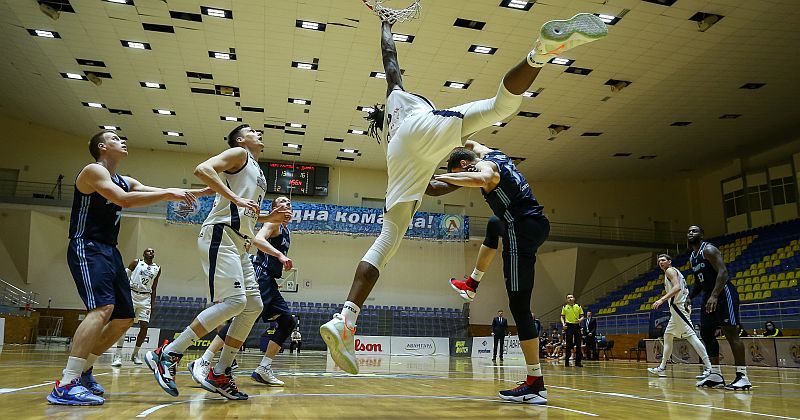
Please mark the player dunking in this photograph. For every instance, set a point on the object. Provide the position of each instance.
(416, 137)
(720, 309)
(144, 275)
(680, 324)
(272, 242)
(96, 264)
(223, 241)
(524, 229)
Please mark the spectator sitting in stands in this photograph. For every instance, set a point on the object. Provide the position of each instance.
(771, 331)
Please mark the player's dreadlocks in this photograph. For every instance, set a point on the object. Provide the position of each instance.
(375, 119)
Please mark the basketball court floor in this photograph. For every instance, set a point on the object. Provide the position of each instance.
(397, 387)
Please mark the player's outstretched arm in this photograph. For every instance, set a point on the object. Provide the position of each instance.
(261, 241)
(484, 175)
(436, 188)
(96, 178)
(390, 65)
(138, 186)
(230, 160)
(277, 215)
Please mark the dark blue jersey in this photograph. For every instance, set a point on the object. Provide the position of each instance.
(704, 273)
(93, 217)
(265, 263)
(512, 197)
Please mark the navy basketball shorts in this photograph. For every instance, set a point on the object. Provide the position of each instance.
(100, 277)
(522, 238)
(274, 303)
(727, 312)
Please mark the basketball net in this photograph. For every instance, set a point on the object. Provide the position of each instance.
(390, 15)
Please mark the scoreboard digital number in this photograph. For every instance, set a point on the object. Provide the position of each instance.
(287, 178)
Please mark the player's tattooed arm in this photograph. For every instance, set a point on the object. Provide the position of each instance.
(390, 65)
(436, 188)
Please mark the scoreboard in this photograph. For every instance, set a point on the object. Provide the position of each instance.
(295, 179)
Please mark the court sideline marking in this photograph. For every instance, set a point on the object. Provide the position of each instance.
(153, 409)
(637, 397)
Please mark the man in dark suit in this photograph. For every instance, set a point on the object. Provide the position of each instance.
(499, 328)
(589, 332)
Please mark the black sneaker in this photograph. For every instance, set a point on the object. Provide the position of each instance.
(566, 363)
(224, 384)
(527, 393)
(163, 367)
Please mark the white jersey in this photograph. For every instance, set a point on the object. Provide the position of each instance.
(248, 183)
(142, 277)
(683, 295)
(418, 137)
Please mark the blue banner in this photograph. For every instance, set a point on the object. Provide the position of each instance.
(339, 220)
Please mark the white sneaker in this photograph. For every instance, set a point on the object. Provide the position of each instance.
(659, 371)
(703, 375)
(199, 370)
(117, 361)
(265, 376)
(713, 380)
(136, 360)
(557, 36)
(741, 383)
(340, 340)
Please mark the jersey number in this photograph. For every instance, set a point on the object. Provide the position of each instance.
(700, 276)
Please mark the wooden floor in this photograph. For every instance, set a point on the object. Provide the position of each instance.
(398, 387)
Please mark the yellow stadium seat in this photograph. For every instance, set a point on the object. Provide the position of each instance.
(781, 276)
(783, 284)
(756, 287)
(773, 257)
(761, 271)
(757, 296)
(772, 277)
(793, 283)
(767, 294)
(748, 296)
(795, 248)
(736, 282)
(790, 275)
(748, 288)
(772, 285)
(748, 280)
(782, 255)
(747, 273)
(739, 274)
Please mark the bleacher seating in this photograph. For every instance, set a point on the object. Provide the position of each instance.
(763, 264)
(175, 313)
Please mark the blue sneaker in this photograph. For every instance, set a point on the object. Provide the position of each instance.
(88, 381)
(164, 368)
(529, 392)
(73, 393)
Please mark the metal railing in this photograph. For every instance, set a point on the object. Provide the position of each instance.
(37, 190)
(13, 296)
(785, 314)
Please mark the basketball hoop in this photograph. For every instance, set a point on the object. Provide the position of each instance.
(393, 15)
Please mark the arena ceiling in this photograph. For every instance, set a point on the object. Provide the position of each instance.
(694, 97)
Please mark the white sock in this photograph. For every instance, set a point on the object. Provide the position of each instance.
(180, 344)
(208, 356)
(535, 370)
(266, 362)
(120, 342)
(476, 274)
(715, 369)
(225, 359)
(742, 370)
(90, 359)
(350, 313)
(701, 350)
(535, 60)
(73, 370)
(135, 352)
(667, 350)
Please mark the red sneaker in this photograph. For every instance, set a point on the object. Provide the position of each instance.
(467, 293)
(224, 384)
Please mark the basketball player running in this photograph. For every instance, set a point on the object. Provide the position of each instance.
(144, 275)
(223, 241)
(680, 324)
(720, 309)
(272, 242)
(96, 264)
(525, 229)
(417, 136)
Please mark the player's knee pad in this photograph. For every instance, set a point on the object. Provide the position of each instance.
(519, 304)
(242, 324)
(710, 340)
(286, 325)
(216, 314)
(494, 229)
